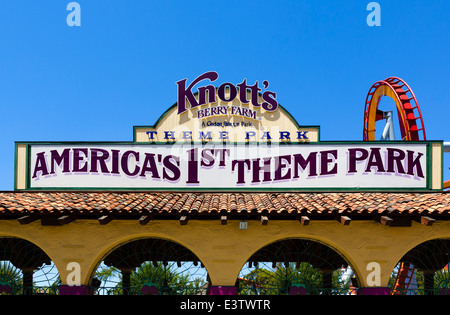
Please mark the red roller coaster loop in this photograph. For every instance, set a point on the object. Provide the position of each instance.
(411, 129)
(409, 115)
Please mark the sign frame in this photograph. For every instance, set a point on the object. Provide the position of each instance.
(434, 169)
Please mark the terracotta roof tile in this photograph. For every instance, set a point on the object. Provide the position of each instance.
(84, 203)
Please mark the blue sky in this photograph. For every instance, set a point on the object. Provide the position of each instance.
(118, 69)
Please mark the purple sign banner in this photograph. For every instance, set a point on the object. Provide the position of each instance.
(352, 166)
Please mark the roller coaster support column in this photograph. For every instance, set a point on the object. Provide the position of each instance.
(388, 132)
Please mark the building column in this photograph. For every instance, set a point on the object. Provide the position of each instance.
(327, 281)
(27, 281)
(75, 290)
(126, 280)
(374, 291)
(428, 281)
(223, 290)
(297, 290)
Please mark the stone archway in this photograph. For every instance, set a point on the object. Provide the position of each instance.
(296, 266)
(151, 266)
(26, 269)
(423, 270)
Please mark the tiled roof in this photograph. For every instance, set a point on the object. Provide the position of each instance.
(210, 203)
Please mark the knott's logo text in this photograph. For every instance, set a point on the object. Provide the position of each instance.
(241, 90)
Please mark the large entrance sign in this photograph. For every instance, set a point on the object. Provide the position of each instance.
(230, 113)
(236, 137)
(230, 167)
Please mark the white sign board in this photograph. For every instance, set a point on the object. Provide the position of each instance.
(361, 165)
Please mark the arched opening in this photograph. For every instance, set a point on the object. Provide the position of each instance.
(25, 269)
(151, 266)
(296, 267)
(423, 270)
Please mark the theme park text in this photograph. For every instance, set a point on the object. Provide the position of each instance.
(237, 166)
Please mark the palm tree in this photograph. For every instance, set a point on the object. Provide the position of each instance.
(10, 278)
(167, 278)
(278, 280)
